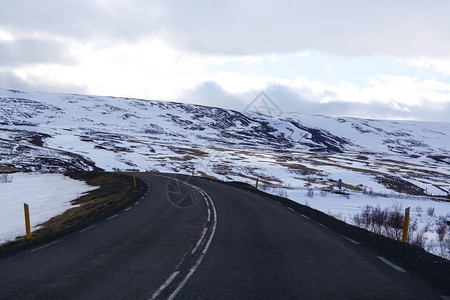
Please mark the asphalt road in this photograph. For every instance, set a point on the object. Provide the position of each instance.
(203, 239)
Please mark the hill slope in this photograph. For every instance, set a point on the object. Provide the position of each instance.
(57, 132)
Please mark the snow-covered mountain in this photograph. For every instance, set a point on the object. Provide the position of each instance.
(57, 132)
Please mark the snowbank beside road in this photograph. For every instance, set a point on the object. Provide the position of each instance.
(47, 195)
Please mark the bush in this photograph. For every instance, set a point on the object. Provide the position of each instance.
(418, 239)
(388, 221)
(441, 229)
(310, 192)
(5, 178)
(430, 211)
(282, 193)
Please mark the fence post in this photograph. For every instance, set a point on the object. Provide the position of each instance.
(27, 220)
(405, 226)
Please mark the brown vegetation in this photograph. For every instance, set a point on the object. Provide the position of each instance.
(113, 193)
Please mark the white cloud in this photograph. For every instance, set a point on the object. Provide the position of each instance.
(230, 50)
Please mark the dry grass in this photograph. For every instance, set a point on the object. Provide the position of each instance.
(114, 192)
(5, 169)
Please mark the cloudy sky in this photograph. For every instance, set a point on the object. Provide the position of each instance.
(375, 59)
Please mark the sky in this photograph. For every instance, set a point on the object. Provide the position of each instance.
(372, 59)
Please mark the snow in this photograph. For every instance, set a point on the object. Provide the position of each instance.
(168, 137)
(47, 195)
(345, 208)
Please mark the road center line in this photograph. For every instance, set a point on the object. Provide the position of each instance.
(175, 293)
(390, 264)
(137, 202)
(127, 209)
(199, 241)
(305, 216)
(209, 205)
(165, 284)
(290, 208)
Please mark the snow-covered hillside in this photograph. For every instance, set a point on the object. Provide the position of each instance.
(57, 132)
(386, 163)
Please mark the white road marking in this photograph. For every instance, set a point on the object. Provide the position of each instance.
(137, 202)
(210, 205)
(44, 246)
(165, 284)
(323, 226)
(112, 217)
(209, 216)
(390, 264)
(349, 239)
(86, 229)
(199, 241)
(290, 208)
(305, 216)
(127, 209)
(175, 293)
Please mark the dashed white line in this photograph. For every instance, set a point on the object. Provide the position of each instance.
(127, 209)
(137, 202)
(86, 229)
(323, 225)
(112, 217)
(290, 208)
(165, 284)
(305, 216)
(44, 246)
(390, 264)
(349, 239)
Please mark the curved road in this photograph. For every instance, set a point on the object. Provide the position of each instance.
(204, 239)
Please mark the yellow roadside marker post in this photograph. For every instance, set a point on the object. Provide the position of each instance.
(257, 180)
(405, 226)
(193, 172)
(118, 172)
(134, 179)
(27, 220)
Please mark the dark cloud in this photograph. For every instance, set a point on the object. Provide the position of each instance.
(32, 51)
(81, 20)
(398, 28)
(211, 94)
(299, 101)
(9, 80)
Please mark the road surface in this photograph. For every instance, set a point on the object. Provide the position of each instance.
(203, 239)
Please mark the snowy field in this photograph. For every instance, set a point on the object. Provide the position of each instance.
(345, 209)
(47, 195)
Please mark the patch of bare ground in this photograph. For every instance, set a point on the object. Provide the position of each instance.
(113, 193)
(400, 185)
(5, 169)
